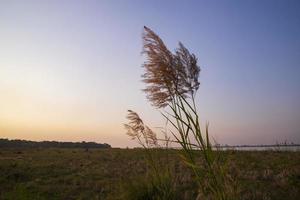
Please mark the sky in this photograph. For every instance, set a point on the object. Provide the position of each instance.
(69, 70)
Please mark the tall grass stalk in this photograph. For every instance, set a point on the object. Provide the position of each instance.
(210, 174)
(172, 82)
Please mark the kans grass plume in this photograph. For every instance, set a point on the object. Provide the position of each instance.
(167, 74)
(137, 130)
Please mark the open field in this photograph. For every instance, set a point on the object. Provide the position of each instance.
(106, 173)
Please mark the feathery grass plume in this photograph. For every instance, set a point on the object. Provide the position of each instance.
(172, 81)
(167, 74)
(136, 129)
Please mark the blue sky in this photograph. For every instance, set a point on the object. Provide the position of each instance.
(69, 70)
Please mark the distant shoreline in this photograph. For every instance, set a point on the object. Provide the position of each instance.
(254, 146)
(4, 142)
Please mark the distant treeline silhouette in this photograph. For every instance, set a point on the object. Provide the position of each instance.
(6, 143)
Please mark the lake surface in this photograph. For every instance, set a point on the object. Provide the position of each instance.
(262, 148)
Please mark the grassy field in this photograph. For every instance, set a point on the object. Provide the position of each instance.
(108, 173)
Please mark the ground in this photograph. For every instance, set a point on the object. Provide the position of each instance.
(104, 173)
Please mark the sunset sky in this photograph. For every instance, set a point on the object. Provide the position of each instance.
(69, 70)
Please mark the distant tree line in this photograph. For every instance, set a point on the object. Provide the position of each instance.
(6, 143)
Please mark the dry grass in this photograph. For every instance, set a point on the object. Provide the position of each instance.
(101, 174)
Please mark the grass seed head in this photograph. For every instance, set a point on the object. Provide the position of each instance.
(167, 74)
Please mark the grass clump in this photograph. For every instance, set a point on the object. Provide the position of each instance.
(158, 184)
(171, 85)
